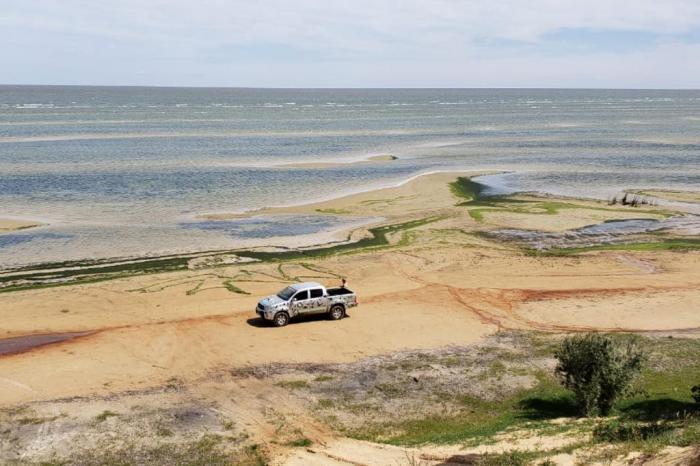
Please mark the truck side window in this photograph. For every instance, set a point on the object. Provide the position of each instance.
(302, 295)
(316, 293)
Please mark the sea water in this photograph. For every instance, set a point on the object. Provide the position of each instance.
(127, 171)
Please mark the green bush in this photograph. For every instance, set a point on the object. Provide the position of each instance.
(696, 393)
(598, 369)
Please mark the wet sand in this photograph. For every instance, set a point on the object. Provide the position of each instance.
(26, 343)
(12, 224)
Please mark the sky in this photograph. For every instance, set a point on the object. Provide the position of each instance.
(358, 43)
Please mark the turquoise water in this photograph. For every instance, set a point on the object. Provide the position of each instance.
(124, 171)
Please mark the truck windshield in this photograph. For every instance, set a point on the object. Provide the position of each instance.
(287, 293)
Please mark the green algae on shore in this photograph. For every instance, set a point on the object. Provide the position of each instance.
(83, 272)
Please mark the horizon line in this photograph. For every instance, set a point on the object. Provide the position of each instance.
(157, 86)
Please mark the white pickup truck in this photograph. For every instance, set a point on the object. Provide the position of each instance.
(305, 299)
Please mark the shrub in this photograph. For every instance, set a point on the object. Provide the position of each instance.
(598, 369)
(696, 393)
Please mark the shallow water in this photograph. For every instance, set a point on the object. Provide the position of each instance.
(609, 232)
(110, 167)
(270, 226)
(79, 241)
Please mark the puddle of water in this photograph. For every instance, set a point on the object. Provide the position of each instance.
(21, 344)
(612, 231)
(13, 239)
(272, 226)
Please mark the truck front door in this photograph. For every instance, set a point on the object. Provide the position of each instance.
(300, 303)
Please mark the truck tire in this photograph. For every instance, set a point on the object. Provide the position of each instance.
(337, 312)
(281, 319)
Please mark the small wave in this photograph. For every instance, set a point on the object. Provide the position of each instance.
(30, 106)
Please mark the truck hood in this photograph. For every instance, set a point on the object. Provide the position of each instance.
(272, 301)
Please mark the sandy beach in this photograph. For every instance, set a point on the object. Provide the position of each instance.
(439, 284)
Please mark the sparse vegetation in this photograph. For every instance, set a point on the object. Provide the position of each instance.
(618, 430)
(228, 284)
(300, 442)
(163, 431)
(208, 450)
(660, 393)
(420, 397)
(598, 369)
(104, 415)
(293, 384)
(334, 211)
(512, 458)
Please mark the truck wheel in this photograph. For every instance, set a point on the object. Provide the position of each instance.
(337, 312)
(281, 319)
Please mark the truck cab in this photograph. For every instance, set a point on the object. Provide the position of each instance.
(305, 299)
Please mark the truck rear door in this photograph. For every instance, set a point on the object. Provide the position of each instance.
(318, 303)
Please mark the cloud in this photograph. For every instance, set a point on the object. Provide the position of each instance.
(360, 37)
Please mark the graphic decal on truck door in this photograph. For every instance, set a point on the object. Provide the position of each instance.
(317, 300)
(300, 301)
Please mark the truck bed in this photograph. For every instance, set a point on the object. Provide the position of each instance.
(340, 291)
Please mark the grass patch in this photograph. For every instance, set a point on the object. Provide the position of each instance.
(325, 403)
(300, 442)
(618, 430)
(228, 284)
(467, 189)
(334, 211)
(35, 420)
(512, 458)
(162, 431)
(477, 419)
(104, 415)
(477, 214)
(293, 384)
